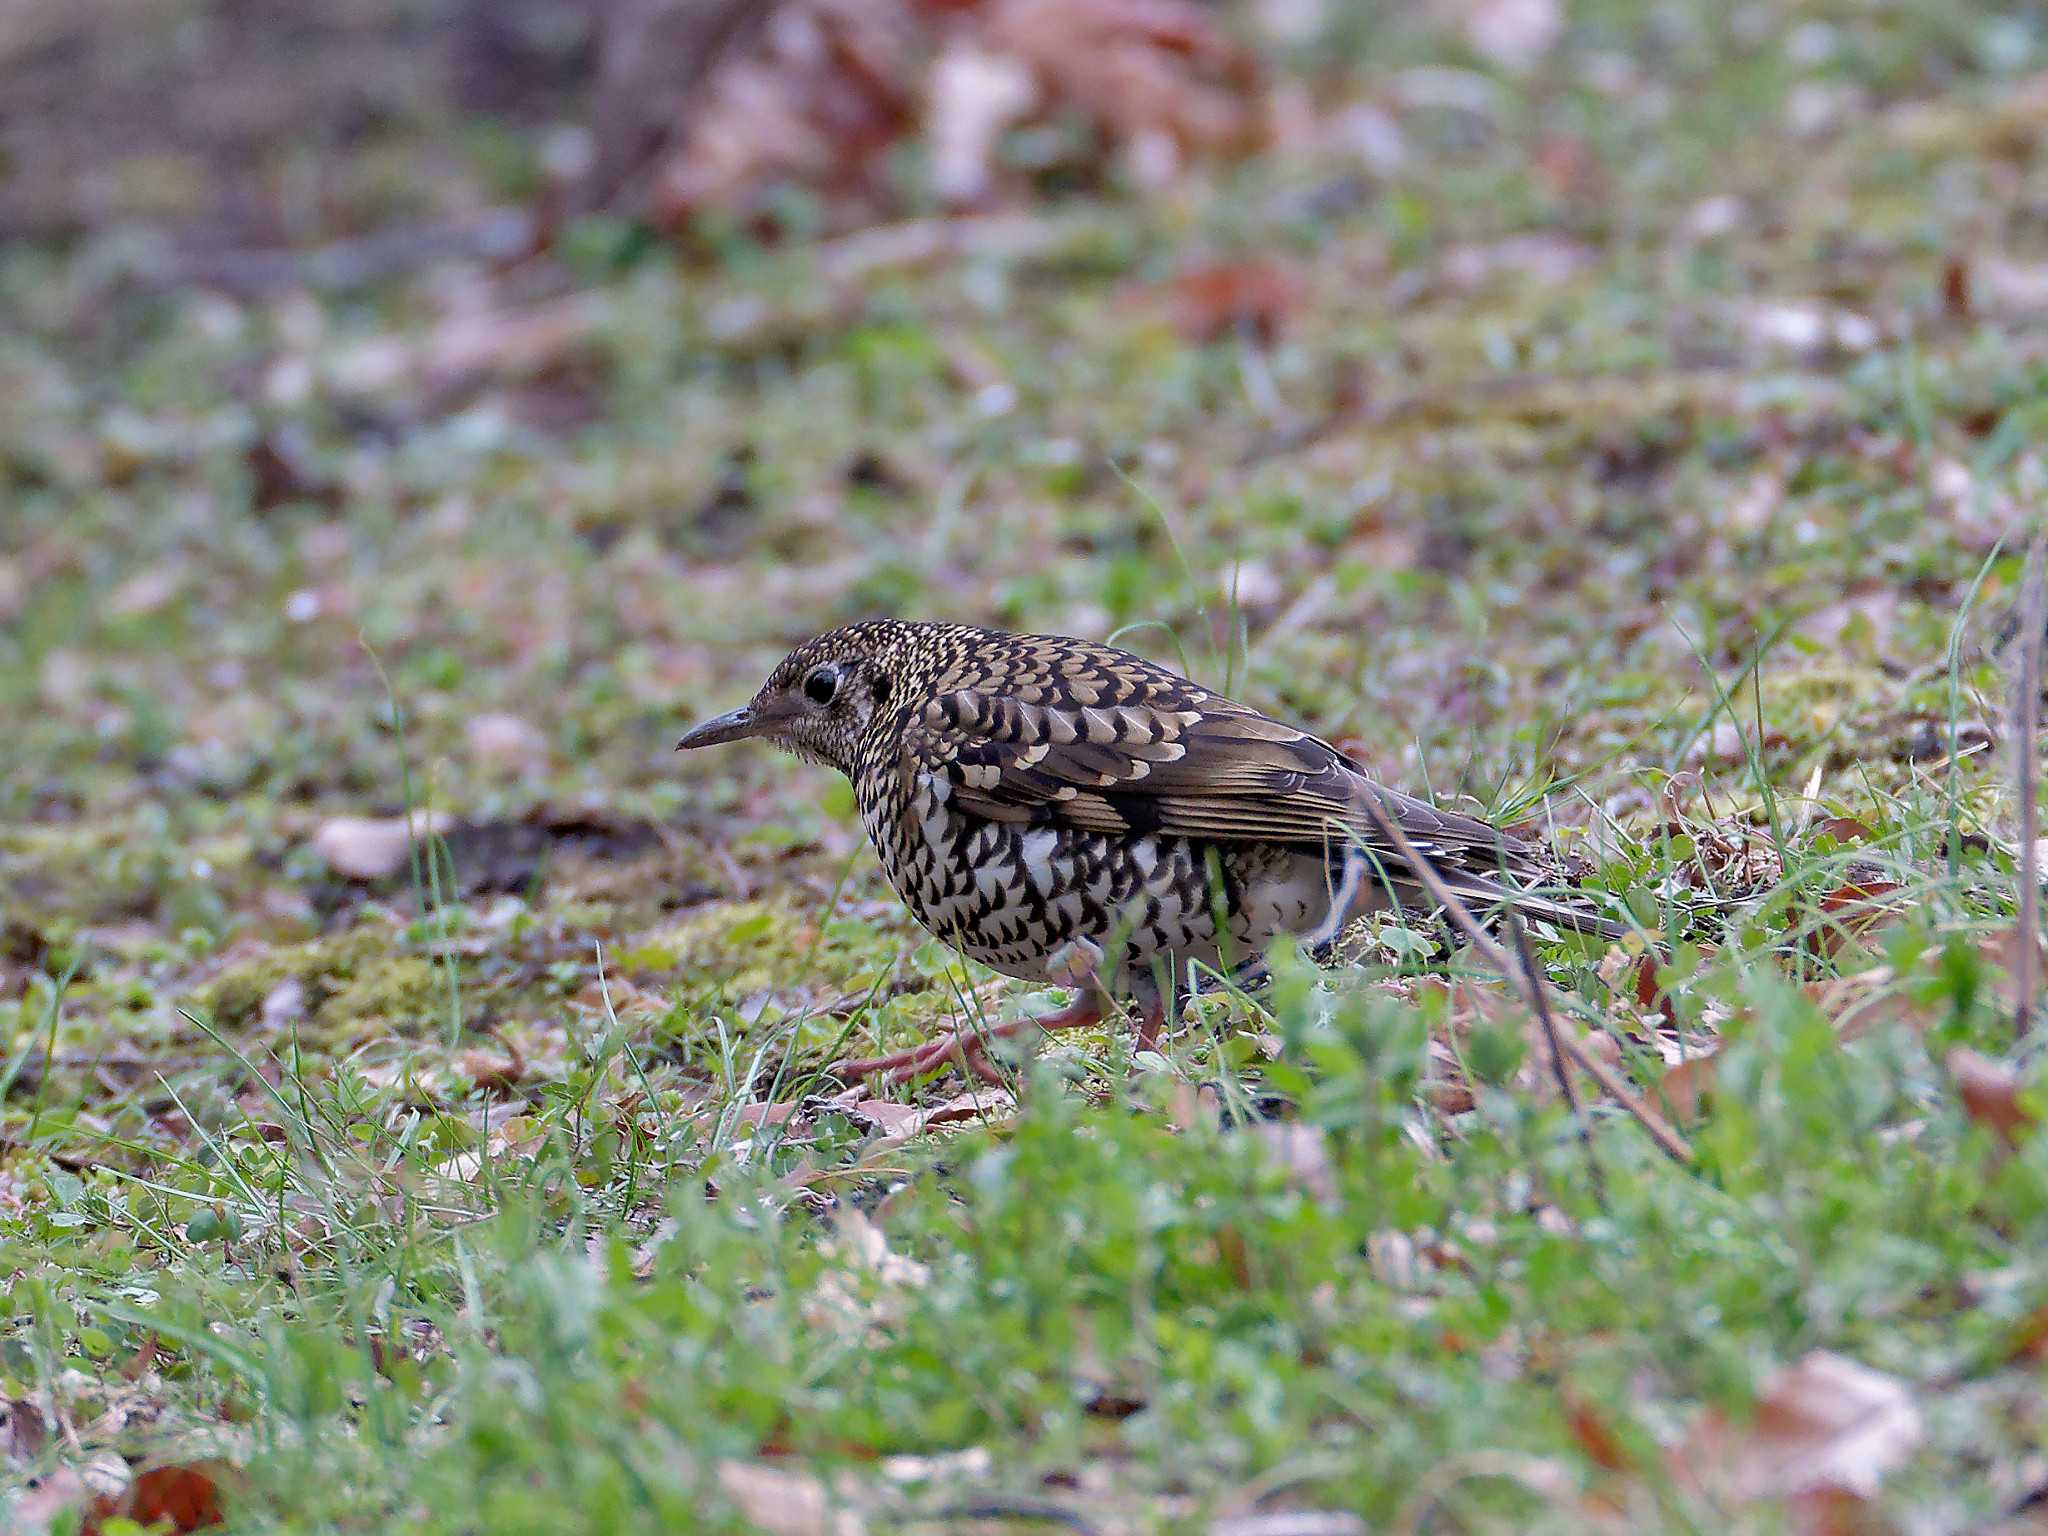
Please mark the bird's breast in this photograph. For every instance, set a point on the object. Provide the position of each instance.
(1024, 898)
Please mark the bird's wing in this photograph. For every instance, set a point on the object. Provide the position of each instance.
(1142, 750)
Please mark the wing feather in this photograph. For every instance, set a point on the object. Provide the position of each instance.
(1106, 742)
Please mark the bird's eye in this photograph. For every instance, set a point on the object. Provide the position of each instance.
(821, 685)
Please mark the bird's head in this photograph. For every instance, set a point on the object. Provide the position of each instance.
(824, 697)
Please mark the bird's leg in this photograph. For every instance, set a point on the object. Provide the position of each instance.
(1151, 1019)
(968, 1047)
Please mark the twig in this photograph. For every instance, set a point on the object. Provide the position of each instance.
(1042, 1511)
(497, 235)
(1540, 1000)
(2026, 712)
(1461, 915)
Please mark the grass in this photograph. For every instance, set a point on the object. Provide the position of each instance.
(1684, 516)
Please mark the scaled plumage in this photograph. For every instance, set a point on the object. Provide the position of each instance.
(1065, 811)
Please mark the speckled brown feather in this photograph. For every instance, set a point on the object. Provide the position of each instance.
(1035, 795)
(1056, 730)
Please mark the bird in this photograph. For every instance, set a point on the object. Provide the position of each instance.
(1069, 813)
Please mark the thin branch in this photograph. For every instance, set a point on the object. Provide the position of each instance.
(1540, 1000)
(1669, 1140)
(2026, 714)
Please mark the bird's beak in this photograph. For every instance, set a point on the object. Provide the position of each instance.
(733, 725)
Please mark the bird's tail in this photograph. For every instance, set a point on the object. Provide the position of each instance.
(1490, 899)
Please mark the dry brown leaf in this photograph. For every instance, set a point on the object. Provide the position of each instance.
(1650, 997)
(1825, 1428)
(1990, 1091)
(1594, 1435)
(1843, 829)
(1162, 76)
(175, 1498)
(282, 471)
(829, 88)
(1849, 912)
(779, 1501)
(2030, 1339)
(1859, 1003)
(491, 1072)
(1686, 1085)
(1217, 301)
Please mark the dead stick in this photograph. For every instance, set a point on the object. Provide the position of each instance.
(2026, 715)
(1461, 915)
(1541, 1002)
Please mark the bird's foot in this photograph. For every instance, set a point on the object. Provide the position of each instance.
(967, 1048)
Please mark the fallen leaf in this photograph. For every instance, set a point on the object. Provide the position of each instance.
(2030, 1339)
(1686, 1085)
(1849, 912)
(491, 1072)
(174, 1498)
(1859, 1003)
(1214, 302)
(1843, 829)
(1594, 1435)
(371, 847)
(778, 1501)
(22, 1431)
(827, 90)
(1650, 997)
(1514, 34)
(284, 1004)
(973, 98)
(1537, 259)
(523, 342)
(2018, 289)
(862, 1241)
(1825, 1427)
(898, 1123)
(1990, 1091)
(1814, 331)
(145, 592)
(1301, 1152)
(507, 741)
(1291, 1522)
(282, 471)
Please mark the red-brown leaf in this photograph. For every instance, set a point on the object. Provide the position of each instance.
(1214, 302)
(1990, 1091)
(1849, 911)
(176, 1498)
(1594, 1435)
(1687, 1085)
